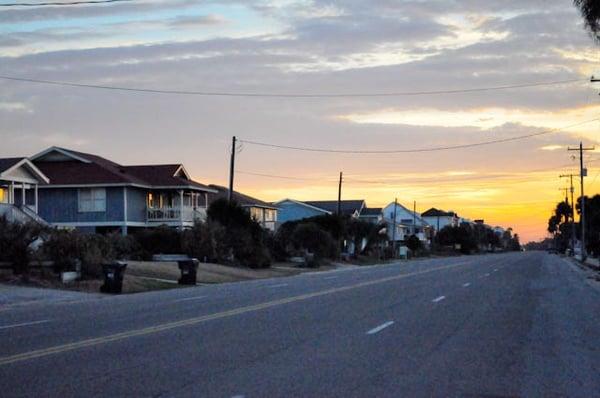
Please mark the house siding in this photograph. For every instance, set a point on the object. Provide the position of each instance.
(136, 204)
(290, 211)
(60, 205)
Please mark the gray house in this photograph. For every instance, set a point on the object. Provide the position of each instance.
(94, 194)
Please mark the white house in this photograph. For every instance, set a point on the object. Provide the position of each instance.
(439, 219)
(413, 221)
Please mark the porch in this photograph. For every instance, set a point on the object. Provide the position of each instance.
(19, 180)
(175, 208)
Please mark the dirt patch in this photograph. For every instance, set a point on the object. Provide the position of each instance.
(207, 272)
(48, 280)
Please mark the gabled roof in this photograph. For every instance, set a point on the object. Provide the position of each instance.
(433, 212)
(416, 215)
(240, 198)
(371, 211)
(68, 167)
(348, 207)
(302, 204)
(9, 164)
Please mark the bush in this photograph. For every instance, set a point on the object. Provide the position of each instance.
(68, 248)
(159, 240)
(243, 241)
(16, 241)
(309, 237)
(63, 248)
(95, 251)
(414, 243)
(205, 241)
(125, 247)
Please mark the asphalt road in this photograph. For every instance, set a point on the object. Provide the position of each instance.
(507, 325)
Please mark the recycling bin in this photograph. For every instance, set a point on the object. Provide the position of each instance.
(189, 269)
(113, 277)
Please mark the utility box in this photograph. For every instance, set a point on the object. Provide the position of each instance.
(403, 252)
(113, 277)
(189, 270)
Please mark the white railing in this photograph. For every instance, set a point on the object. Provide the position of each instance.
(171, 214)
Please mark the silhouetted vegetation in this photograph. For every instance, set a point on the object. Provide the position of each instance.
(590, 10)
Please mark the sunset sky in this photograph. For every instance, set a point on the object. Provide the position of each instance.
(318, 47)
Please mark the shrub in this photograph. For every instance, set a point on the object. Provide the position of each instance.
(243, 240)
(16, 243)
(414, 243)
(125, 247)
(159, 240)
(309, 237)
(205, 241)
(63, 248)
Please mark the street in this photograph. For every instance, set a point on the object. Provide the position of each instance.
(515, 324)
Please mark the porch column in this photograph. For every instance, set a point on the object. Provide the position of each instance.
(205, 200)
(23, 194)
(36, 198)
(11, 193)
(181, 207)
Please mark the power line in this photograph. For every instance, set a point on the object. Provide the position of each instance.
(416, 150)
(57, 3)
(284, 177)
(289, 95)
(398, 181)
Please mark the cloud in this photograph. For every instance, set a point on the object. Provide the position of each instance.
(196, 21)
(349, 46)
(552, 147)
(15, 107)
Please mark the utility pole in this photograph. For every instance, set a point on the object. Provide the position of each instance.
(339, 203)
(415, 217)
(232, 168)
(394, 230)
(582, 174)
(572, 190)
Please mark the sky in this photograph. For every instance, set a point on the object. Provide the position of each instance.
(318, 47)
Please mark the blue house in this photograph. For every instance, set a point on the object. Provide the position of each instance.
(19, 182)
(290, 209)
(94, 194)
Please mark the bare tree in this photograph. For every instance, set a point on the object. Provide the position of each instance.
(590, 10)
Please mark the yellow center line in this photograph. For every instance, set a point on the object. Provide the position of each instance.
(205, 318)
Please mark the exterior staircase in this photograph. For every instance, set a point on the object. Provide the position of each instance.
(20, 214)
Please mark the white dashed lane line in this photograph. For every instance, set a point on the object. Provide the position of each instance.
(190, 299)
(18, 325)
(380, 327)
(466, 284)
(280, 285)
(437, 300)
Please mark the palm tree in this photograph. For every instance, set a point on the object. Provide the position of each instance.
(590, 10)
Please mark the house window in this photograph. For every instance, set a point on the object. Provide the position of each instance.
(3, 195)
(92, 200)
(151, 200)
(270, 215)
(256, 214)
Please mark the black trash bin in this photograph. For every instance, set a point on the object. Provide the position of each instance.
(113, 277)
(189, 269)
